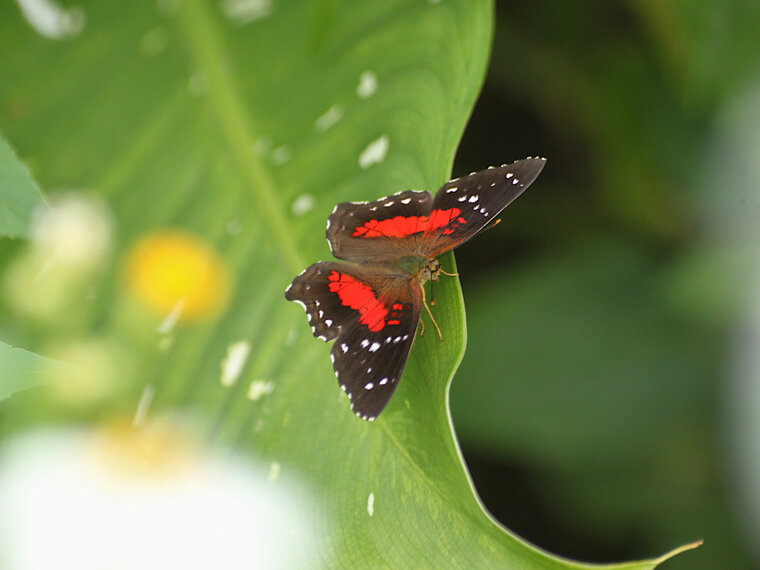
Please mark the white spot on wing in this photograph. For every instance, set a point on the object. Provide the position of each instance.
(473, 199)
(367, 84)
(375, 152)
(375, 346)
(328, 322)
(406, 200)
(233, 363)
(369, 386)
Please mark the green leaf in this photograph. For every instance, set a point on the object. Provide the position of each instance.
(21, 369)
(19, 194)
(247, 131)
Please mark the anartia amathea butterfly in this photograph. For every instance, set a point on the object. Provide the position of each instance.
(371, 306)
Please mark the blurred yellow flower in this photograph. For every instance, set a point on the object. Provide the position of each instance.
(171, 270)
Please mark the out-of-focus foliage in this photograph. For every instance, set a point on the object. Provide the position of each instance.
(19, 194)
(606, 313)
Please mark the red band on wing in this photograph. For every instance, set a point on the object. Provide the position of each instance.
(400, 226)
(357, 295)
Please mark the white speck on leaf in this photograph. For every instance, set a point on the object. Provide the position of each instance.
(234, 227)
(166, 326)
(302, 204)
(281, 155)
(274, 471)
(262, 146)
(198, 84)
(154, 41)
(142, 407)
(371, 504)
(260, 388)
(242, 12)
(51, 20)
(328, 118)
(233, 363)
(375, 152)
(367, 84)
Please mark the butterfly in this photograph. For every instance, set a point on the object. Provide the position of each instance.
(371, 306)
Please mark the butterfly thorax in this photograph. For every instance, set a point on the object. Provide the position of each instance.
(420, 267)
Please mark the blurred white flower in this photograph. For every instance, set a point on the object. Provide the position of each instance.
(75, 231)
(71, 240)
(143, 499)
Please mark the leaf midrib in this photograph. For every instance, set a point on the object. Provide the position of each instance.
(201, 30)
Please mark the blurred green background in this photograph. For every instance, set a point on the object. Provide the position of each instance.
(600, 404)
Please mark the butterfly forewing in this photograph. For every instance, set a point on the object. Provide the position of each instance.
(372, 314)
(375, 232)
(466, 205)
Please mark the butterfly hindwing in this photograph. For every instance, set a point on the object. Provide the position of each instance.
(372, 314)
(369, 364)
(469, 203)
(367, 232)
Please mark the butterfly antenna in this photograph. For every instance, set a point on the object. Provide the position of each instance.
(432, 318)
(495, 223)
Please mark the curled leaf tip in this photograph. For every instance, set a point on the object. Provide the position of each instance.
(679, 550)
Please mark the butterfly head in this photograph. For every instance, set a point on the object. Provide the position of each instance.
(431, 270)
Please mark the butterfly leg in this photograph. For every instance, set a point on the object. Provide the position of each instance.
(442, 272)
(432, 318)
